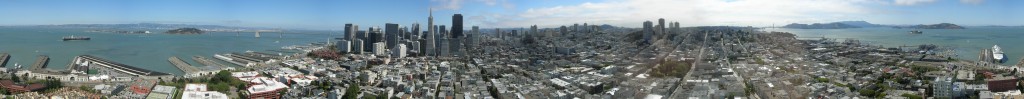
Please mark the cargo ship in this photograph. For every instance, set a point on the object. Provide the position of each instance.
(70, 38)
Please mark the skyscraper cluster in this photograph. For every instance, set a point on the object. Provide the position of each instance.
(398, 41)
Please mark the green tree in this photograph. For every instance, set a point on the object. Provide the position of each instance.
(351, 92)
(15, 78)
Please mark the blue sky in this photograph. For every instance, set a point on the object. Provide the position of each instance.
(333, 14)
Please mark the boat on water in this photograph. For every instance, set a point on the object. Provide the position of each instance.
(70, 38)
(997, 54)
(916, 32)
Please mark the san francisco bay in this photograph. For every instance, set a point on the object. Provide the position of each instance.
(967, 43)
(148, 51)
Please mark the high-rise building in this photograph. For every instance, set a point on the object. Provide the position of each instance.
(391, 35)
(399, 51)
(357, 46)
(344, 46)
(586, 29)
(379, 49)
(474, 38)
(576, 27)
(429, 49)
(423, 47)
(648, 31)
(414, 48)
(405, 33)
(563, 30)
(376, 35)
(350, 31)
(364, 38)
(444, 47)
(533, 29)
(444, 32)
(416, 33)
(661, 25)
(456, 26)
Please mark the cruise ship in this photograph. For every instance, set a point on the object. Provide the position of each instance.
(997, 54)
(69, 38)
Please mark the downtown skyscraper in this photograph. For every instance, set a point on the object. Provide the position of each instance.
(456, 26)
(391, 35)
(430, 35)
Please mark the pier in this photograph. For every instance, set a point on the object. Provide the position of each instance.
(4, 57)
(127, 69)
(40, 63)
(207, 61)
(185, 67)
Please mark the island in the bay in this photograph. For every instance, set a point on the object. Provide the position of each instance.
(185, 31)
(933, 26)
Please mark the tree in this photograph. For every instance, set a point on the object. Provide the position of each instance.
(351, 92)
(15, 78)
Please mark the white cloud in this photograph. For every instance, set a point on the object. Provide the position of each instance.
(972, 1)
(631, 13)
(448, 4)
(912, 2)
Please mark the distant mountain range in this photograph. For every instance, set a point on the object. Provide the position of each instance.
(861, 24)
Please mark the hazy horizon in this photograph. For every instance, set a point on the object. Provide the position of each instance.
(332, 15)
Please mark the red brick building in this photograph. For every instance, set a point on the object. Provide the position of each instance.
(20, 88)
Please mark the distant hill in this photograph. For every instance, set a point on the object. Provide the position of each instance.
(185, 31)
(138, 26)
(860, 23)
(834, 25)
(934, 26)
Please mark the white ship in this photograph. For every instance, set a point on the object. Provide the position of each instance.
(997, 54)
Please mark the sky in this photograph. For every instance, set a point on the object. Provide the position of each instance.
(333, 14)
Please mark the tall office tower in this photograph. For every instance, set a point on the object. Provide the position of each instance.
(533, 29)
(416, 33)
(497, 33)
(661, 25)
(455, 46)
(444, 32)
(585, 29)
(677, 27)
(379, 50)
(648, 31)
(414, 48)
(444, 47)
(399, 51)
(430, 35)
(423, 47)
(357, 46)
(391, 35)
(563, 30)
(576, 27)
(364, 37)
(344, 46)
(515, 33)
(475, 37)
(350, 31)
(405, 33)
(456, 26)
(376, 35)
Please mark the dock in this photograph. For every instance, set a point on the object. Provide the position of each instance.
(4, 57)
(185, 67)
(207, 61)
(41, 62)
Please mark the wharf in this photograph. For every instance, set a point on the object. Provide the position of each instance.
(40, 63)
(185, 67)
(4, 57)
(207, 61)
